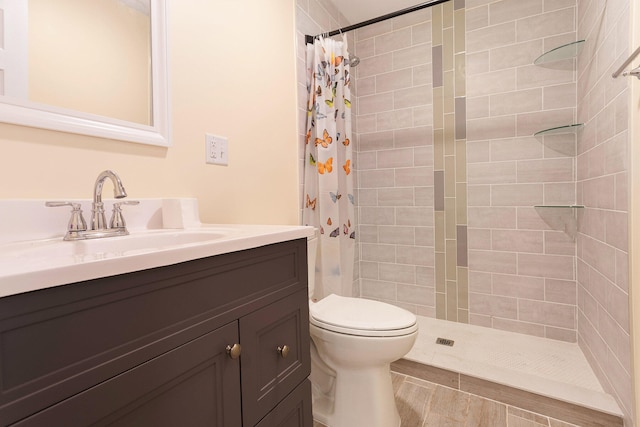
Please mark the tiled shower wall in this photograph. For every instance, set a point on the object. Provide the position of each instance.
(521, 258)
(395, 162)
(602, 168)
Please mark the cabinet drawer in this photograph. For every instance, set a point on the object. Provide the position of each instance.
(196, 384)
(269, 375)
(293, 411)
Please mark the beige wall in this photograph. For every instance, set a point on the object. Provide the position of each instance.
(232, 73)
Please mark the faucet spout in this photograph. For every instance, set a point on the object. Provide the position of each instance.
(98, 220)
(118, 189)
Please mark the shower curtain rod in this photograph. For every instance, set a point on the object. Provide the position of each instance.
(309, 39)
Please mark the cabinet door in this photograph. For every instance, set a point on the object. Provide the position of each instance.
(275, 354)
(196, 384)
(293, 411)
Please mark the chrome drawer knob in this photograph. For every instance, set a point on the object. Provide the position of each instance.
(234, 351)
(283, 351)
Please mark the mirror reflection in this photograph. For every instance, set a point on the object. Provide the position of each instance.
(88, 56)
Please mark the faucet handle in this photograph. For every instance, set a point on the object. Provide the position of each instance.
(117, 220)
(77, 222)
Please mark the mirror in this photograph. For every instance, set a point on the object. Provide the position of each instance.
(96, 68)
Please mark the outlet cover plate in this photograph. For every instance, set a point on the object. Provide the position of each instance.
(217, 149)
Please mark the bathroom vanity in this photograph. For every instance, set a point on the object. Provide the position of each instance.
(219, 340)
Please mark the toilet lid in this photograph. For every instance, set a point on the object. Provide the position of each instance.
(362, 317)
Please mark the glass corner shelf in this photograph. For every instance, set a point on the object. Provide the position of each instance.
(569, 50)
(561, 206)
(574, 128)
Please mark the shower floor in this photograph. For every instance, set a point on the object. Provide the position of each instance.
(548, 368)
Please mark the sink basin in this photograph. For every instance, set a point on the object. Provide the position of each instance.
(145, 242)
(45, 250)
(48, 254)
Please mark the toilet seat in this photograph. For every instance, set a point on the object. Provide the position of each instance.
(361, 317)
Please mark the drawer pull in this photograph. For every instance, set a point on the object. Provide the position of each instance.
(283, 351)
(234, 351)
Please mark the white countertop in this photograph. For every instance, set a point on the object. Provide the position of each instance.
(30, 266)
(43, 261)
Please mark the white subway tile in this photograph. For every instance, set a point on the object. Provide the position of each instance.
(517, 241)
(494, 306)
(477, 17)
(412, 97)
(516, 149)
(561, 291)
(396, 235)
(515, 55)
(546, 24)
(396, 119)
(412, 56)
(370, 66)
(492, 217)
(521, 101)
(393, 41)
(548, 170)
(516, 194)
(491, 128)
(492, 173)
(491, 37)
(559, 243)
(491, 82)
(547, 313)
(512, 10)
(396, 196)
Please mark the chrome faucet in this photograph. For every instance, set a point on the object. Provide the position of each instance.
(98, 221)
(77, 228)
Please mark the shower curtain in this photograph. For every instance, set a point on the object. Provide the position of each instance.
(328, 180)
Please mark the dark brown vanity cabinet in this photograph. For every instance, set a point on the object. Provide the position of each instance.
(155, 347)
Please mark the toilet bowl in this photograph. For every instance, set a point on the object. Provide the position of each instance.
(354, 341)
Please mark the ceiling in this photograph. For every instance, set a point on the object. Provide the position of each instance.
(357, 11)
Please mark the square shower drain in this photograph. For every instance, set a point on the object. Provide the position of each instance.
(444, 341)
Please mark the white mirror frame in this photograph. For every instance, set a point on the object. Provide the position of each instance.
(32, 114)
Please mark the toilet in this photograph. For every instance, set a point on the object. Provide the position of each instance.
(353, 342)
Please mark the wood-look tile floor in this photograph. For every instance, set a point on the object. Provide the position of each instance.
(425, 404)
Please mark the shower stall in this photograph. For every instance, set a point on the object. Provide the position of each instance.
(491, 168)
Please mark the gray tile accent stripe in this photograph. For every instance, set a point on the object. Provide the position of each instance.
(438, 190)
(436, 57)
(458, 4)
(461, 117)
(462, 258)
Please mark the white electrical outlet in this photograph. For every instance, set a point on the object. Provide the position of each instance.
(216, 148)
